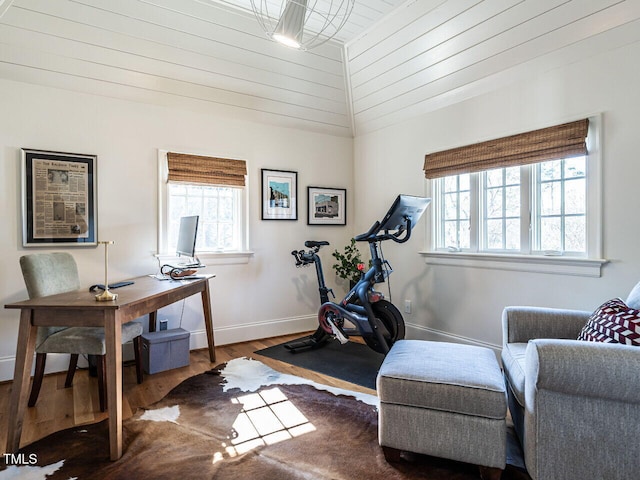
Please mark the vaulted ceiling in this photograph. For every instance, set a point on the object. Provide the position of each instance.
(394, 59)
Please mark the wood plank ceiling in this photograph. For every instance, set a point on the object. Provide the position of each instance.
(431, 53)
(394, 60)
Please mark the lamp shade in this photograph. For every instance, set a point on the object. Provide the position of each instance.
(301, 24)
(290, 28)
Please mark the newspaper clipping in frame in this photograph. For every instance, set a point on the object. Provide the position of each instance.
(60, 199)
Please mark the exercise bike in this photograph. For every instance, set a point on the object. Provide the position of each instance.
(363, 311)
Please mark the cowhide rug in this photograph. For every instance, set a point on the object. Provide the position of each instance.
(241, 421)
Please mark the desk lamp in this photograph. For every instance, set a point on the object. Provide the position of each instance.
(106, 296)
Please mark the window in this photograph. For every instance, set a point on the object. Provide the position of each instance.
(529, 199)
(219, 208)
(212, 188)
(553, 215)
(560, 223)
(501, 209)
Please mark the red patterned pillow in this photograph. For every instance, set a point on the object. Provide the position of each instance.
(613, 322)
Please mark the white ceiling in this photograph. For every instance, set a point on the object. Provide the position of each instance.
(401, 58)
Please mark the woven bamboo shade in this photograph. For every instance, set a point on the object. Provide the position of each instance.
(560, 141)
(206, 170)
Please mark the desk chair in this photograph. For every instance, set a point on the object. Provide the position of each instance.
(52, 273)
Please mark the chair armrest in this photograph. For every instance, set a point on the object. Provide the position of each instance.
(521, 324)
(583, 369)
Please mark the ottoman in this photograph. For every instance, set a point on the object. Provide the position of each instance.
(446, 400)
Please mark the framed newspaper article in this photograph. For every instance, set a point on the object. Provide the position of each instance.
(58, 199)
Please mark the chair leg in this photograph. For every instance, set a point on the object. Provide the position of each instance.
(41, 360)
(102, 379)
(137, 351)
(391, 455)
(489, 473)
(73, 364)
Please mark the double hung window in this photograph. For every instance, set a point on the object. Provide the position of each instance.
(213, 188)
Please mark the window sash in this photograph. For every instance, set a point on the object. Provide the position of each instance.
(219, 229)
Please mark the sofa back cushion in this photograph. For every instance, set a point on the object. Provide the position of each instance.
(633, 300)
(613, 322)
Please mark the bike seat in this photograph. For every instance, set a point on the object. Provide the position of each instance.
(314, 243)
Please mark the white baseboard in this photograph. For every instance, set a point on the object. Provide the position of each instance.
(420, 332)
(198, 339)
(254, 331)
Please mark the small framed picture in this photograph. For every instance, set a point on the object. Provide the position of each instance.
(279, 195)
(58, 199)
(327, 206)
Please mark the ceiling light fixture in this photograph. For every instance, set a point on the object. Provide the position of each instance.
(299, 25)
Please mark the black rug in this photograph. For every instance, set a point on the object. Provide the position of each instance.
(352, 362)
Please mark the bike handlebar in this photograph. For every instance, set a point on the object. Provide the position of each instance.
(373, 234)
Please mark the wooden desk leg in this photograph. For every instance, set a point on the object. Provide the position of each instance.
(208, 321)
(113, 340)
(22, 374)
(153, 317)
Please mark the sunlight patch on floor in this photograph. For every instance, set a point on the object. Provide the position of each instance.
(267, 417)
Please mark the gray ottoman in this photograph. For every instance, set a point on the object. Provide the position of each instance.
(446, 400)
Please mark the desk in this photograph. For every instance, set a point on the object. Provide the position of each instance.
(80, 309)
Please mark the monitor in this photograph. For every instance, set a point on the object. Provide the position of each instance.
(187, 236)
(404, 206)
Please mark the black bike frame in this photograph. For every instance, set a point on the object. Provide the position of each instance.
(357, 304)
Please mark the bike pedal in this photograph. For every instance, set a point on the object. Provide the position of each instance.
(339, 334)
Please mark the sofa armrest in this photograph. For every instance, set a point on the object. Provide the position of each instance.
(583, 369)
(521, 324)
(581, 402)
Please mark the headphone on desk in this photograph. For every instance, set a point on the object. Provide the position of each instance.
(176, 273)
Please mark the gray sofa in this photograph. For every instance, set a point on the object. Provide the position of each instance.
(575, 405)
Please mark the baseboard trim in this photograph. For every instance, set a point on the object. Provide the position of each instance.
(223, 336)
(425, 333)
(254, 331)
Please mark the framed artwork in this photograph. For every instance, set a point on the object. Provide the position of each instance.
(279, 195)
(327, 206)
(58, 199)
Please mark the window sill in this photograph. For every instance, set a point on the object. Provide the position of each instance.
(212, 258)
(582, 267)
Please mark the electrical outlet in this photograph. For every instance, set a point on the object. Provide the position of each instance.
(164, 324)
(407, 306)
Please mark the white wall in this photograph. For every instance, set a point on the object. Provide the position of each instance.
(466, 303)
(266, 296)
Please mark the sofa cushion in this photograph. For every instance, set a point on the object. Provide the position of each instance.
(448, 377)
(633, 300)
(613, 322)
(513, 364)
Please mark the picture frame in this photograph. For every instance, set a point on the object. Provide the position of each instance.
(326, 206)
(58, 199)
(279, 195)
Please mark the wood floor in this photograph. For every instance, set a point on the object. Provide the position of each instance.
(59, 408)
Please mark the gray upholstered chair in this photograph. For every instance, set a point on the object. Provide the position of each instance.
(52, 273)
(575, 404)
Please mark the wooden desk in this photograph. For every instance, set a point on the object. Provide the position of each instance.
(80, 309)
